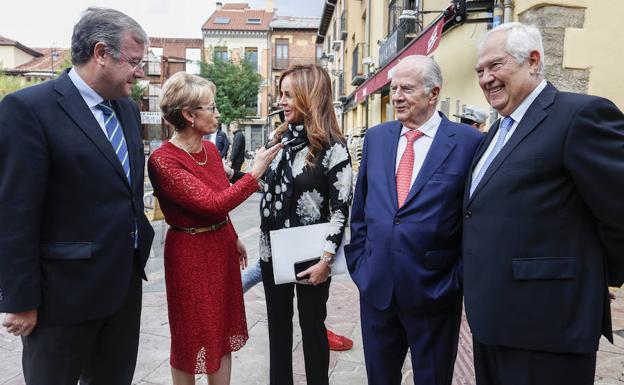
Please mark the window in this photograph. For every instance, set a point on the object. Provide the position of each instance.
(281, 53)
(253, 20)
(154, 55)
(251, 57)
(193, 57)
(319, 53)
(220, 53)
(222, 20)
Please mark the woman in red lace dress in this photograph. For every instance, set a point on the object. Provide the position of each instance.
(202, 251)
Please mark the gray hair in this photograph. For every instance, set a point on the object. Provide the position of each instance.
(103, 25)
(430, 71)
(522, 39)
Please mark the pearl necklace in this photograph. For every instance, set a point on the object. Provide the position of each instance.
(176, 142)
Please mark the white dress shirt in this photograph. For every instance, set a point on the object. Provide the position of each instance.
(421, 145)
(90, 97)
(517, 116)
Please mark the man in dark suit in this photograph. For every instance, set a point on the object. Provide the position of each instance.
(237, 155)
(75, 239)
(543, 227)
(222, 143)
(406, 231)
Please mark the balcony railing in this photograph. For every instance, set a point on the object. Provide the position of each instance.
(394, 21)
(342, 35)
(357, 68)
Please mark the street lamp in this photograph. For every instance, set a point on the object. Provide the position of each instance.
(324, 60)
(54, 55)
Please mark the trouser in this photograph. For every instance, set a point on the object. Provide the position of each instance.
(312, 307)
(499, 365)
(431, 339)
(97, 352)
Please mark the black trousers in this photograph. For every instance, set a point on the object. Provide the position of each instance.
(236, 166)
(312, 307)
(498, 365)
(98, 352)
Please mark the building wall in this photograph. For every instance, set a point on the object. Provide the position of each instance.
(11, 57)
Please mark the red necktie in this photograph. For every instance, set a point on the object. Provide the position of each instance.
(406, 166)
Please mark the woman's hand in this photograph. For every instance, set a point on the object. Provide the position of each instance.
(263, 159)
(242, 254)
(318, 273)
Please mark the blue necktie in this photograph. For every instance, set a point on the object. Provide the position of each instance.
(115, 135)
(503, 130)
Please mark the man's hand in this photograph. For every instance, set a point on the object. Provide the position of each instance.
(20, 324)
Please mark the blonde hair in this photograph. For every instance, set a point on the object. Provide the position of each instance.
(311, 91)
(183, 91)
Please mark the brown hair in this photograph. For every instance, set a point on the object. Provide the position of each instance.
(311, 91)
(183, 91)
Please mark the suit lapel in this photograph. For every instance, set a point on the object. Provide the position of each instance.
(74, 105)
(127, 121)
(478, 154)
(531, 119)
(392, 143)
(442, 145)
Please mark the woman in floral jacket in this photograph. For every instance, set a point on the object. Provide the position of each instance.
(309, 182)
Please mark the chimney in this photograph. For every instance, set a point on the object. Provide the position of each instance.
(219, 5)
(269, 6)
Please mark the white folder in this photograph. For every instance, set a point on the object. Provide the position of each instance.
(299, 244)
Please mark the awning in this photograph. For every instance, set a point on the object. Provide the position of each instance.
(424, 44)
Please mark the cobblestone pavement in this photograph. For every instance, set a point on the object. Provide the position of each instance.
(250, 364)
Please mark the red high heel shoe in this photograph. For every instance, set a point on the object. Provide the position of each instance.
(338, 343)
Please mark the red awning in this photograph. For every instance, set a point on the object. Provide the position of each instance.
(424, 44)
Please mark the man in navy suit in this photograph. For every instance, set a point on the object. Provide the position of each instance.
(406, 231)
(75, 239)
(544, 221)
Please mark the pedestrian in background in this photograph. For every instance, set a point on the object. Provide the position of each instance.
(75, 239)
(473, 116)
(237, 153)
(543, 228)
(309, 182)
(202, 251)
(404, 253)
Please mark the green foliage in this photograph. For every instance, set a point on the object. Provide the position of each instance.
(9, 84)
(238, 85)
(137, 91)
(62, 65)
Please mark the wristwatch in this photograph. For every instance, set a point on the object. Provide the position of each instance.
(328, 259)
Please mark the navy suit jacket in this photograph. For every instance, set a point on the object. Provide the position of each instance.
(544, 229)
(69, 214)
(410, 252)
(222, 143)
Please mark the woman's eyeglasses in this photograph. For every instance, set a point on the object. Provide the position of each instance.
(211, 108)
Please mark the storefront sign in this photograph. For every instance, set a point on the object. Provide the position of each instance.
(149, 117)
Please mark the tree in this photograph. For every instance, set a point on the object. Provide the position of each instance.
(238, 85)
(9, 84)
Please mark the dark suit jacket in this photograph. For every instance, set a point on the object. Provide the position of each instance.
(413, 251)
(544, 229)
(237, 155)
(222, 143)
(69, 213)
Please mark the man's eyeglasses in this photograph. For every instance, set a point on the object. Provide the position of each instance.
(212, 108)
(137, 64)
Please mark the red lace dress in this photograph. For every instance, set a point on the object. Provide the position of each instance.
(202, 272)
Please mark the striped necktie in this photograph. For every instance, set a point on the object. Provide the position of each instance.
(115, 135)
(503, 130)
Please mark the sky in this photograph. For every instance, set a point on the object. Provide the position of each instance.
(45, 23)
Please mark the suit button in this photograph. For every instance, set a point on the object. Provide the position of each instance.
(397, 221)
(132, 234)
(468, 214)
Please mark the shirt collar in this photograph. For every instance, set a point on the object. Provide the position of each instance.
(519, 112)
(88, 94)
(429, 128)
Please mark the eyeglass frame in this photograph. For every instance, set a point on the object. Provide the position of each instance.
(210, 109)
(133, 62)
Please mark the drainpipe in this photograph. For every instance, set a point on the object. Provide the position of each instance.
(508, 11)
